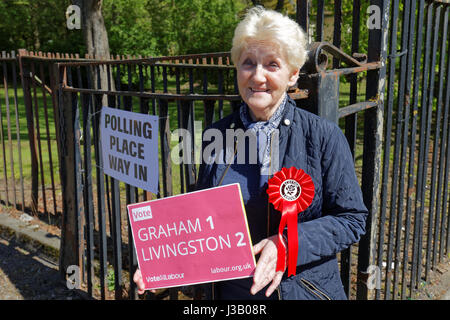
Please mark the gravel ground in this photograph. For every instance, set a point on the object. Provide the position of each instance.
(26, 274)
(437, 287)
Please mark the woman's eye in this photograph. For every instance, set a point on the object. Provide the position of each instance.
(273, 65)
(248, 62)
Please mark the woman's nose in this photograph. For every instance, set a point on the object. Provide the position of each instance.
(259, 75)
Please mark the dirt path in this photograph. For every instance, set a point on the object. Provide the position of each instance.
(26, 274)
(438, 285)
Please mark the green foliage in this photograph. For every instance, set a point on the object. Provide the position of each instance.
(346, 24)
(38, 26)
(285, 7)
(347, 17)
(110, 280)
(154, 27)
(193, 26)
(135, 27)
(129, 28)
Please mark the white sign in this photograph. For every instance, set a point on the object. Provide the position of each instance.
(141, 213)
(130, 147)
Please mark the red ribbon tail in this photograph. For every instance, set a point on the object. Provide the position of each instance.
(290, 207)
(289, 218)
(292, 224)
(281, 258)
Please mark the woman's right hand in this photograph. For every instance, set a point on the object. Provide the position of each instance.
(137, 278)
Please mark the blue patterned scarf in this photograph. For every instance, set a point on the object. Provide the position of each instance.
(263, 131)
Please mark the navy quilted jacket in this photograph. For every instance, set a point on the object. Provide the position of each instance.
(335, 219)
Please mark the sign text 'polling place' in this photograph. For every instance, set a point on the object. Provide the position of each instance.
(130, 147)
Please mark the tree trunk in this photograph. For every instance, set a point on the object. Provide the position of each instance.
(93, 26)
(96, 40)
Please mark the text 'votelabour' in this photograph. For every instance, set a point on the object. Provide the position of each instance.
(129, 147)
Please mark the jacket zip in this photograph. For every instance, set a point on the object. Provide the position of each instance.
(228, 166)
(220, 182)
(314, 290)
(268, 204)
(268, 207)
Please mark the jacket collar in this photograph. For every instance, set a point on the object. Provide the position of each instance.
(273, 122)
(284, 127)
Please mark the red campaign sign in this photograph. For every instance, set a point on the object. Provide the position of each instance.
(192, 238)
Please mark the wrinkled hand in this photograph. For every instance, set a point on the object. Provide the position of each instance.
(137, 278)
(265, 271)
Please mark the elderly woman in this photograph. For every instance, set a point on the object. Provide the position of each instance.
(268, 52)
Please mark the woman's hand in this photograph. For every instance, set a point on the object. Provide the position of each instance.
(137, 278)
(265, 271)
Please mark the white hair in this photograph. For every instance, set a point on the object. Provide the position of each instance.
(268, 25)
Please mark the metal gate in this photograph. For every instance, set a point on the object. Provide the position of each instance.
(405, 157)
(389, 92)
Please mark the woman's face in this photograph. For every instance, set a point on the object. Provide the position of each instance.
(263, 77)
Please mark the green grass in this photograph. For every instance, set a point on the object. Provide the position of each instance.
(17, 143)
(344, 100)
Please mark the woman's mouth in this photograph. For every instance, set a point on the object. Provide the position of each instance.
(258, 90)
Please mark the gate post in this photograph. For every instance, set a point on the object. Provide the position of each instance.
(323, 94)
(71, 182)
(25, 79)
(373, 131)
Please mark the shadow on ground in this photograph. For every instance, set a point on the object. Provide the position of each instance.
(26, 274)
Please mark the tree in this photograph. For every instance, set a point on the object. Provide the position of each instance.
(45, 29)
(129, 27)
(284, 6)
(93, 26)
(95, 39)
(167, 27)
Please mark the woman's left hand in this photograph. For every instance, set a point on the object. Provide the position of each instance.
(265, 271)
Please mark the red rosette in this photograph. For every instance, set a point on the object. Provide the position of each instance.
(290, 191)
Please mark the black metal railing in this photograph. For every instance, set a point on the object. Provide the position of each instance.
(392, 103)
(174, 108)
(9, 108)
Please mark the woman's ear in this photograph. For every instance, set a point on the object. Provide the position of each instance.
(294, 77)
